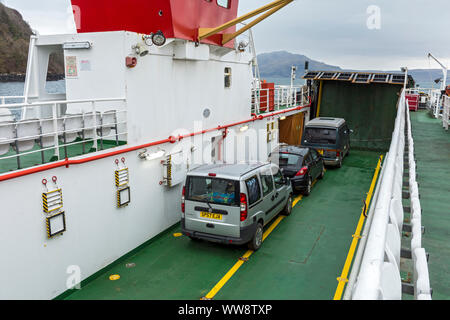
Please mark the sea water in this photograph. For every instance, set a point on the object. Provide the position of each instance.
(17, 89)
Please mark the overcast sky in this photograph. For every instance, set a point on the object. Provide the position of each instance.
(354, 34)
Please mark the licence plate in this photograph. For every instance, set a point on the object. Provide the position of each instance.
(320, 151)
(208, 215)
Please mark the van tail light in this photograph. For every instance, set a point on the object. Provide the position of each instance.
(302, 172)
(182, 199)
(244, 209)
(338, 153)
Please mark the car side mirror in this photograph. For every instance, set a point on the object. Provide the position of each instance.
(351, 131)
(287, 180)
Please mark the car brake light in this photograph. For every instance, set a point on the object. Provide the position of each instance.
(338, 153)
(302, 171)
(182, 199)
(211, 174)
(243, 207)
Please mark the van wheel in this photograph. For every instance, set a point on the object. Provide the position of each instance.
(339, 165)
(256, 241)
(288, 208)
(322, 174)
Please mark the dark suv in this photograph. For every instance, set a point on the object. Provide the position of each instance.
(302, 165)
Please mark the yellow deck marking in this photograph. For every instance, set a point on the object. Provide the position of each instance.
(238, 264)
(300, 197)
(343, 278)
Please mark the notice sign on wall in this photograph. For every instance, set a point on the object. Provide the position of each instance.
(71, 67)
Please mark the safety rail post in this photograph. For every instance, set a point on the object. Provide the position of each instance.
(55, 129)
(446, 112)
(95, 125)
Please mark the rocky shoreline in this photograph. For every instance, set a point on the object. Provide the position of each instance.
(19, 77)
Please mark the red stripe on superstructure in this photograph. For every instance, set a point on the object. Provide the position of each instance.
(68, 162)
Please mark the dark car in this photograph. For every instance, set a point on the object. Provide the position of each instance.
(302, 165)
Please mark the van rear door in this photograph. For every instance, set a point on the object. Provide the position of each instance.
(212, 205)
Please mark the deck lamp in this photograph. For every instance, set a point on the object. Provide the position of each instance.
(244, 128)
(77, 45)
(158, 38)
(141, 49)
(155, 155)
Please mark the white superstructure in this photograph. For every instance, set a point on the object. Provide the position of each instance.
(175, 89)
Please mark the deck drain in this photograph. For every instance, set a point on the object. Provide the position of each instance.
(130, 265)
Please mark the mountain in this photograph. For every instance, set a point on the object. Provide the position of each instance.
(278, 65)
(14, 41)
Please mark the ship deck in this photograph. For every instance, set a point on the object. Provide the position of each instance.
(301, 258)
(302, 255)
(432, 152)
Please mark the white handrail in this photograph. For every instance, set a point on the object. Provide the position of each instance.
(47, 102)
(378, 274)
(283, 97)
(421, 281)
(119, 126)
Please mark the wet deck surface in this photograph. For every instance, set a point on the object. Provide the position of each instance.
(300, 259)
(432, 151)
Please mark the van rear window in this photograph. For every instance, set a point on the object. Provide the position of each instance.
(213, 190)
(320, 135)
(287, 159)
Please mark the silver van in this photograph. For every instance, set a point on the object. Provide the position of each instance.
(231, 203)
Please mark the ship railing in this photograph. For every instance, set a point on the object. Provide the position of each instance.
(433, 99)
(446, 112)
(5, 99)
(434, 105)
(375, 272)
(278, 98)
(48, 126)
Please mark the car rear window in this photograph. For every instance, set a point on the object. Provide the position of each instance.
(213, 190)
(320, 135)
(287, 159)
